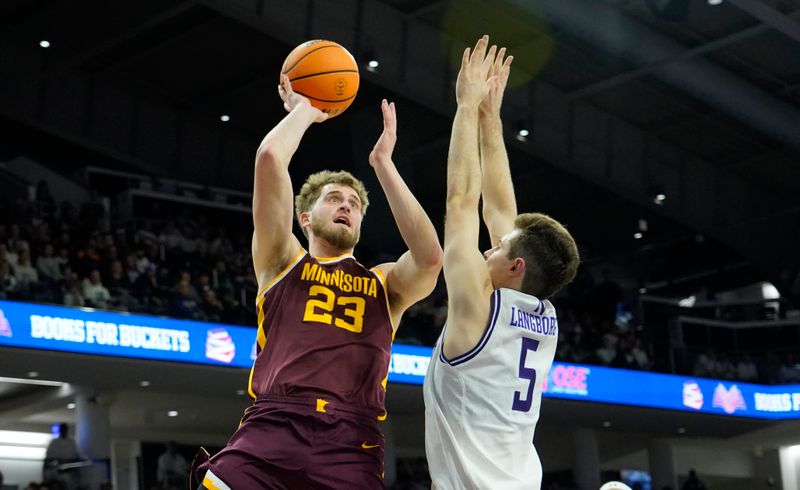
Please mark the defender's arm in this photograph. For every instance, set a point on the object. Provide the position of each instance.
(499, 202)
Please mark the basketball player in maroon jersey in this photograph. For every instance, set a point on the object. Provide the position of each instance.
(325, 322)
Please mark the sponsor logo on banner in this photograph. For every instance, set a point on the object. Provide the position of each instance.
(5, 327)
(728, 399)
(571, 380)
(409, 364)
(692, 395)
(220, 346)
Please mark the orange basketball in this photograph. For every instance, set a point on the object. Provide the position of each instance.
(324, 72)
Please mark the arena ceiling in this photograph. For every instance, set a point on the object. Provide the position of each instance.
(624, 100)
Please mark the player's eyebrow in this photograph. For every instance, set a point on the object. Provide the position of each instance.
(339, 192)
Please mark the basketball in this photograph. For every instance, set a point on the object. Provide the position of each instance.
(325, 73)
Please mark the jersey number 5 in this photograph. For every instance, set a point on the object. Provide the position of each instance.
(321, 304)
(521, 405)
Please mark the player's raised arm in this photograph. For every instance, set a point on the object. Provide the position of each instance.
(499, 203)
(413, 276)
(466, 274)
(273, 241)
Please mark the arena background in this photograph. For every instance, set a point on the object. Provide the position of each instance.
(664, 134)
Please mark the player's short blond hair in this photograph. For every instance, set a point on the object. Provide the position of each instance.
(550, 253)
(313, 185)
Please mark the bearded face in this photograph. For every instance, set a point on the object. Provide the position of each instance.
(338, 235)
(336, 217)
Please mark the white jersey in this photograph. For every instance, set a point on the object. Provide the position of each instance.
(481, 407)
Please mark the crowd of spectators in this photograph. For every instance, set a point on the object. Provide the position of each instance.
(187, 268)
(771, 368)
(185, 265)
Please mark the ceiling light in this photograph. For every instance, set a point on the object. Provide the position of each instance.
(606, 424)
(637, 235)
(172, 413)
(659, 199)
(681, 430)
(144, 383)
(224, 118)
(33, 374)
(373, 64)
(240, 392)
(642, 290)
(714, 2)
(524, 132)
(70, 406)
(44, 43)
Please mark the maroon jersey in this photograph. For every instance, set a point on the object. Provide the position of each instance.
(324, 331)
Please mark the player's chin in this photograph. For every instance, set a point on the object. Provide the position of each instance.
(343, 238)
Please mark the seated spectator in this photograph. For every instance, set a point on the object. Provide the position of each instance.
(95, 293)
(26, 275)
(705, 365)
(73, 292)
(8, 283)
(87, 259)
(213, 309)
(8, 254)
(724, 368)
(746, 370)
(607, 353)
(185, 303)
(624, 358)
(48, 265)
(790, 371)
(640, 355)
(117, 280)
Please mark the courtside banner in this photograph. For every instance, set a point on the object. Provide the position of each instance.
(688, 394)
(88, 331)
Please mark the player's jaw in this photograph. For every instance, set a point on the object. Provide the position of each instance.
(341, 230)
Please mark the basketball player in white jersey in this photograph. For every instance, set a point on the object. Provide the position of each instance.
(484, 383)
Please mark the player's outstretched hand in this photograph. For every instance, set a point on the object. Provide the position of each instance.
(501, 68)
(382, 152)
(292, 100)
(473, 81)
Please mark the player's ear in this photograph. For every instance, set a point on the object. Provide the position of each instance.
(305, 218)
(518, 267)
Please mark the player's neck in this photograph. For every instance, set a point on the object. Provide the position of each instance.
(509, 283)
(320, 248)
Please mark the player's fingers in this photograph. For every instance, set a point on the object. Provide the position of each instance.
(498, 61)
(385, 112)
(479, 52)
(287, 85)
(490, 56)
(465, 58)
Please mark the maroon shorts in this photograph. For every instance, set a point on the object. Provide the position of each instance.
(299, 443)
